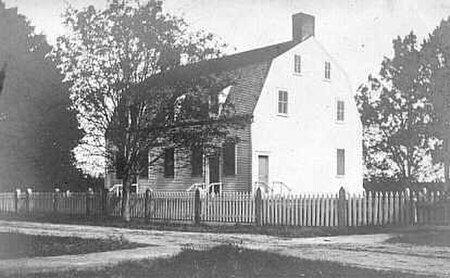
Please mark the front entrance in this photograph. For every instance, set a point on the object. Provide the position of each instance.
(214, 173)
(263, 170)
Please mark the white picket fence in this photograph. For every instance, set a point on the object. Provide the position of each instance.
(228, 208)
(159, 206)
(300, 210)
(305, 210)
(7, 203)
(50, 202)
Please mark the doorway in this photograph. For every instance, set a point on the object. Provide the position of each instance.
(263, 169)
(214, 173)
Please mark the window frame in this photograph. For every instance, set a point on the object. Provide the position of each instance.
(340, 112)
(144, 159)
(196, 169)
(340, 170)
(167, 173)
(327, 73)
(282, 102)
(297, 64)
(232, 157)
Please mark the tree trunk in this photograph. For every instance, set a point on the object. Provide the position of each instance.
(126, 216)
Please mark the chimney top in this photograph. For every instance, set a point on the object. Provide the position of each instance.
(302, 26)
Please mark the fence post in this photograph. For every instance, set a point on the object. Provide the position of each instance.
(413, 207)
(16, 201)
(88, 207)
(197, 207)
(103, 199)
(258, 207)
(148, 197)
(341, 208)
(27, 201)
(55, 200)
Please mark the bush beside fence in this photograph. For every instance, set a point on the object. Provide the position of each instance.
(371, 209)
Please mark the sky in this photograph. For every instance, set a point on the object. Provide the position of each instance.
(357, 33)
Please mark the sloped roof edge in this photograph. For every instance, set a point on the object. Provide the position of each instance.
(222, 64)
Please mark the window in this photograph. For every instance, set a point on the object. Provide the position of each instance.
(327, 70)
(297, 64)
(197, 161)
(143, 164)
(169, 163)
(340, 110)
(282, 102)
(340, 162)
(229, 158)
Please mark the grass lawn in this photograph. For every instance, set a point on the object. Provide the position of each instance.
(425, 236)
(15, 245)
(229, 261)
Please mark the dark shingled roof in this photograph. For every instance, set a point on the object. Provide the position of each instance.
(222, 64)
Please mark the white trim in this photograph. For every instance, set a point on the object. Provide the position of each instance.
(235, 159)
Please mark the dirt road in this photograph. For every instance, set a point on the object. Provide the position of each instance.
(367, 251)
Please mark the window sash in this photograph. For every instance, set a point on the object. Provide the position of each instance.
(143, 173)
(229, 158)
(197, 162)
(297, 64)
(327, 70)
(282, 102)
(340, 111)
(169, 163)
(340, 169)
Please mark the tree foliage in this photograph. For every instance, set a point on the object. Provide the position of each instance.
(436, 53)
(397, 116)
(38, 129)
(114, 60)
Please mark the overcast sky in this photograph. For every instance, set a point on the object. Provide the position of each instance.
(358, 33)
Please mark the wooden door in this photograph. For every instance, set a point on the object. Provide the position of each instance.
(263, 169)
(214, 173)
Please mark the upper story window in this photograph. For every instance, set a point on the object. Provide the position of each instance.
(297, 64)
(217, 101)
(282, 102)
(340, 162)
(340, 111)
(169, 163)
(229, 158)
(327, 70)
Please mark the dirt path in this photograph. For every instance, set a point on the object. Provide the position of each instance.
(367, 251)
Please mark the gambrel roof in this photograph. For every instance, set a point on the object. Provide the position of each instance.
(251, 66)
(223, 64)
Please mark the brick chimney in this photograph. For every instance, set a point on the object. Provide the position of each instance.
(302, 26)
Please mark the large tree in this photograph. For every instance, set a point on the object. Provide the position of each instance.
(436, 55)
(121, 63)
(38, 129)
(397, 117)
